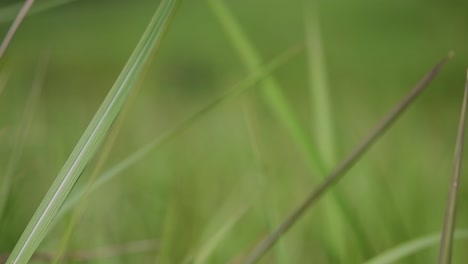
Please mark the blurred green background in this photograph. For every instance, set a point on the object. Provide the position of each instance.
(239, 156)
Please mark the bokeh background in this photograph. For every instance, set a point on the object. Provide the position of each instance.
(239, 157)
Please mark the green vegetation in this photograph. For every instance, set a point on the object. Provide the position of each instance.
(245, 110)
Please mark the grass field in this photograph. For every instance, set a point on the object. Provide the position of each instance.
(239, 113)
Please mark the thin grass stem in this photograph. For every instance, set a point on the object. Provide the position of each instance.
(9, 12)
(445, 251)
(343, 166)
(14, 27)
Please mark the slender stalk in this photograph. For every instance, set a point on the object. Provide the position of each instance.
(321, 109)
(343, 166)
(11, 32)
(445, 252)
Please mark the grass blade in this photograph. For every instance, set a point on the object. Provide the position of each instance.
(11, 32)
(93, 136)
(344, 165)
(445, 251)
(270, 88)
(101, 161)
(323, 126)
(406, 249)
(319, 88)
(8, 13)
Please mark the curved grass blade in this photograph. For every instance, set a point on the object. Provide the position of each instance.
(242, 86)
(344, 165)
(8, 13)
(445, 251)
(406, 249)
(11, 32)
(94, 135)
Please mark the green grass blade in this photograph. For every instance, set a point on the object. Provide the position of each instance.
(270, 88)
(323, 126)
(11, 32)
(343, 166)
(22, 135)
(93, 136)
(9, 13)
(242, 86)
(319, 88)
(105, 151)
(445, 251)
(406, 249)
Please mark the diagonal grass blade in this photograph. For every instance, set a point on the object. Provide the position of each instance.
(94, 134)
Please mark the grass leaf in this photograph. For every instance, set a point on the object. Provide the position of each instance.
(93, 136)
(343, 166)
(445, 252)
(319, 88)
(271, 90)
